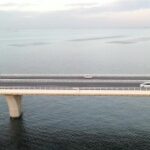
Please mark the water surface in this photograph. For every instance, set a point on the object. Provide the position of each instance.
(75, 123)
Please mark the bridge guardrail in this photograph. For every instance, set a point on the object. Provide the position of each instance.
(74, 88)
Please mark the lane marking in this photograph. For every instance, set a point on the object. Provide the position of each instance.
(71, 81)
(78, 75)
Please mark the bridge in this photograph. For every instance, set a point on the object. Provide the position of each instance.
(17, 85)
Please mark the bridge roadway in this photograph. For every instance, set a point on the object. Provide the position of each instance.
(15, 86)
(72, 81)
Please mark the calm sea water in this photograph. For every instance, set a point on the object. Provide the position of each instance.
(76, 123)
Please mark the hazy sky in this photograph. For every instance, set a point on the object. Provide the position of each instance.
(74, 13)
(49, 5)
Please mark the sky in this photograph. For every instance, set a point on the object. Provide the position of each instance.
(49, 5)
(74, 13)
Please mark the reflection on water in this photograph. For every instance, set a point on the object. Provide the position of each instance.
(13, 135)
(18, 135)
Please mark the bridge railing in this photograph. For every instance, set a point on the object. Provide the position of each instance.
(73, 88)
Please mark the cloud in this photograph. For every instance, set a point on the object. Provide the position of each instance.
(8, 4)
(64, 19)
(96, 38)
(82, 4)
(128, 5)
(88, 7)
(120, 5)
(121, 13)
(16, 6)
(132, 41)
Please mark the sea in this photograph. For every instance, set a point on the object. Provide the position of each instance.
(79, 122)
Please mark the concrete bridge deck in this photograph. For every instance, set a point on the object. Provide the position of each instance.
(16, 86)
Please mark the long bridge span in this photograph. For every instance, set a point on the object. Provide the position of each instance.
(14, 86)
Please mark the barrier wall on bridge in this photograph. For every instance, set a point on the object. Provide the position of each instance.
(75, 92)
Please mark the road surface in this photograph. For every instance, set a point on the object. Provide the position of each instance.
(72, 81)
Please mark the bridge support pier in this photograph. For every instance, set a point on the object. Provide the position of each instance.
(14, 106)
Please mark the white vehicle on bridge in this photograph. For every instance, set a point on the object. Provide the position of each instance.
(88, 76)
(145, 85)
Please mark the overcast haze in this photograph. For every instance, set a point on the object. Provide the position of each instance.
(74, 13)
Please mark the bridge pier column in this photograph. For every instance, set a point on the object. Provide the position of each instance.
(14, 106)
